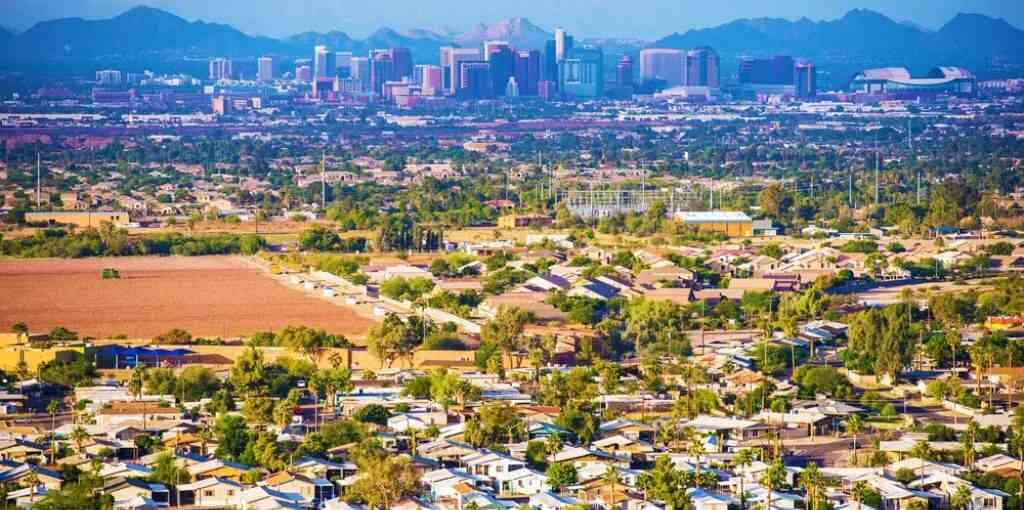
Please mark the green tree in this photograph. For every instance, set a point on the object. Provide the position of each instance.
(665, 483)
(744, 458)
(813, 482)
(506, 331)
(386, 480)
(961, 498)
(232, 436)
(657, 324)
(391, 340)
(854, 426)
(167, 471)
(560, 475)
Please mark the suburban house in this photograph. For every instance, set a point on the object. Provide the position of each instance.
(211, 493)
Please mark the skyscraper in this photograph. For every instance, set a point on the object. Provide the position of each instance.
(503, 64)
(361, 71)
(266, 69)
(304, 70)
(381, 70)
(581, 73)
(563, 44)
(806, 80)
(778, 70)
(527, 71)
(549, 62)
(663, 64)
(452, 57)
(343, 64)
(624, 72)
(323, 62)
(431, 80)
(401, 63)
(702, 68)
(220, 69)
(475, 80)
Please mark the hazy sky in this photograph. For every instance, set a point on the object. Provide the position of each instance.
(646, 19)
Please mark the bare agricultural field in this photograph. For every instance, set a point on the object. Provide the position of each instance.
(207, 296)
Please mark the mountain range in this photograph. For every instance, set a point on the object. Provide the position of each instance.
(859, 36)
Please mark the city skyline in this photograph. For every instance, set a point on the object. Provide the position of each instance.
(588, 18)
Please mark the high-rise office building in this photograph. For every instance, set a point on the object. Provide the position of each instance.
(475, 80)
(452, 58)
(381, 71)
(502, 59)
(778, 70)
(527, 71)
(663, 64)
(806, 80)
(563, 44)
(304, 70)
(323, 87)
(323, 62)
(549, 62)
(702, 68)
(266, 68)
(624, 72)
(220, 69)
(343, 64)
(431, 80)
(108, 77)
(401, 63)
(444, 62)
(581, 73)
(361, 71)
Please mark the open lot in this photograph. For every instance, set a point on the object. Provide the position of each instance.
(207, 296)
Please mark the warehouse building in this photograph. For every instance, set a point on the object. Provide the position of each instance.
(730, 223)
(524, 221)
(81, 219)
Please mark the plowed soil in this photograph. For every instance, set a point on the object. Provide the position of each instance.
(207, 296)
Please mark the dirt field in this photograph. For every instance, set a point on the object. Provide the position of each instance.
(207, 296)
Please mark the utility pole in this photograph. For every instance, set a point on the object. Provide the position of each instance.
(878, 162)
(910, 131)
(39, 185)
(323, 182)
(918, 187)
(850, 199)
(643, 184)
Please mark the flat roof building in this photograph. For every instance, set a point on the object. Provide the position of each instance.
(81, 219)
(730, 223)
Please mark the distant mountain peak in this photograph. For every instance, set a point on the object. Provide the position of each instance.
(145, 12)
(518, 31)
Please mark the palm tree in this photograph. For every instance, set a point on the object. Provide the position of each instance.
(854, 425)
(52, 408)
(812, 481)
(20, 329)
(696, 450)
(79, 436)
(612, 478)
(961, 499)
(744, 458)
(967, 442)
(204, 435)
(32, 480)
(860, 489)
(773, 478)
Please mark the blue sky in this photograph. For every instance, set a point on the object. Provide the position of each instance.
(646, 19)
